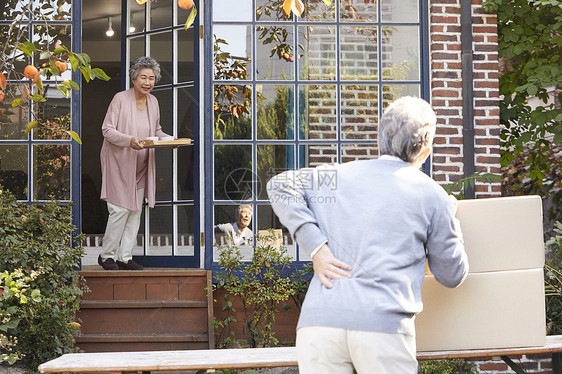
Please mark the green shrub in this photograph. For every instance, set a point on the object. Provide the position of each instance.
(261, 285)
(456, 366)
(38, 237)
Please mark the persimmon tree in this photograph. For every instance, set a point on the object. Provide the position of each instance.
(44, 58)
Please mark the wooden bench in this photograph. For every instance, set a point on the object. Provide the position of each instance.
(250, 358)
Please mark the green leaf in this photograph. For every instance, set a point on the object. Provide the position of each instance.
(16, 103)
(38, 98)
(85, 72)
(44, 55)
(190, 18)
(63, 89)
(60, 49)
(71, 84)
(101, 74)
(327, 2)
(73, 62)
(30, 126)
(74, 136)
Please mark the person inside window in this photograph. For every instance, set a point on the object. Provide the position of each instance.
(238, 232)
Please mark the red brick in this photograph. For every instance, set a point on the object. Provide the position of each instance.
(445, 56)
(446, 93)
(437, 47)
(485, 29)
(486, 84)
(488, 159)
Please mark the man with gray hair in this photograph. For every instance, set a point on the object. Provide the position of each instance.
(238, 232)
(370, 226)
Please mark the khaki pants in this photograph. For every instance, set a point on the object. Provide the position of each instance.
(330, 350)
(121, 230)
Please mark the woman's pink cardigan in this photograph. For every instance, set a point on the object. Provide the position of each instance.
(118, 159)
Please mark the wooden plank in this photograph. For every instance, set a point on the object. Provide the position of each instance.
(210, 310)
(238, 358)
(148, 143)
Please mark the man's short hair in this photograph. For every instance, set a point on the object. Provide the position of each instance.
(243, 206)
(406, 128)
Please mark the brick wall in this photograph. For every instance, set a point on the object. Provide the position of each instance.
(532, 364)
(446, 92)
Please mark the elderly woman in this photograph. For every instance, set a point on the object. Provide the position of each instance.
(238, 232)
(128, 171)
(370, 226)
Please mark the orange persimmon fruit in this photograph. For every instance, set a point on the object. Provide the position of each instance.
(2, 81)
(61, 65)
(2, 96)
(31, 72)
(185, 4)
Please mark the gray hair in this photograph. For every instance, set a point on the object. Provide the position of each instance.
(144, 62)
(243, 206)
(406, 128)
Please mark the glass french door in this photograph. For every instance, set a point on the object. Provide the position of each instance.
(169, 233)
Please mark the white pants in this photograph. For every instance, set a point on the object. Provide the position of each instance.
(329, 350)
(121, 230)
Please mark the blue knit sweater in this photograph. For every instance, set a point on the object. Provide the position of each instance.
(384, 218)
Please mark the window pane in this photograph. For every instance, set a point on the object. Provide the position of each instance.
(12, 9)
(396, 91)
(399, 10)
(319, 11)
(45, 37)
(359, 111)
(232, 52)
(224, 218)
(13, 169)
(54, 9)
(185, 109)
(358, 11)
(400, 53)
(161, 51)
(13, 121)
(161, 13)
(165, 103)
(232, 111)
(234, 179)
(312, 155)
(53, 115)
(275, 112)
(280, 237)
(51, 169)
(228, 10)
(185, 55)
(272, 159)
(160, 226)
(137, 15)
(186, 238)
(359, 53)
(353, 151)
(317, 111)
(21, 60)
(270, 10)
(316, 52)
(275, 52)
(164, 174)
(136, 48)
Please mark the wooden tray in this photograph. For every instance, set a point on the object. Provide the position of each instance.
(166, 143)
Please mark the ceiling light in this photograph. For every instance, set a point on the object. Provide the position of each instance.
(132, 28)
(109, 31)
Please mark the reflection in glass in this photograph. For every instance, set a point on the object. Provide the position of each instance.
(53, 115)
(358, 10)
(225, 215)
(317, 52)
(54, 9)
(185, 55)
(319, 11)
(275, 53)
(359, 111)
(161, 14)
(228, 10)
(271, 10)
(11, 9)
(137, 15)
(400, 53)
(51, 172)
(399, 10)
(232, 52)
(232, 111)
(13, 121)
(136, 48)
(314, 154)
(317, 111)
(354, 151)
(185, 111)
(160, 231)
(392, 92)
(185, 242)
(161, 51)
(267, 221)
(45, 37)
(10, 38)
(13, 169)
(273, 159)
(358, 53)
(233, 176)
(275, 111)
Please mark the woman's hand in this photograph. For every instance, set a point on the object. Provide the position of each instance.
(136, 143)
(327, 267)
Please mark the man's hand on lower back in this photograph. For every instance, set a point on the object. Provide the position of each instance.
(327, 267)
